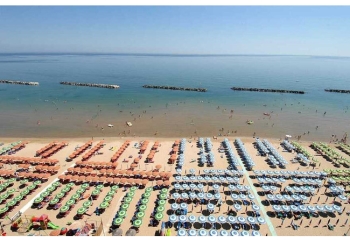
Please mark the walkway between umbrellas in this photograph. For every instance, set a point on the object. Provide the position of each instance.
(116, 208)
(267, 219)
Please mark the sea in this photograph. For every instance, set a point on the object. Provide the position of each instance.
(54, 110)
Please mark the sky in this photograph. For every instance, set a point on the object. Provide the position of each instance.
(266, 30)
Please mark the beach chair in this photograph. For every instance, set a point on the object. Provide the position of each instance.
(57, 206)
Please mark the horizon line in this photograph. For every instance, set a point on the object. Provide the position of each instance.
(161, 54)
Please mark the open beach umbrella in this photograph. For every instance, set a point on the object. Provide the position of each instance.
(329, 208)
(237, 207)
(210, 206)
(174, 206)
(234, 233)
(181, 232)
(255, 233)
(320, 208)
(285, 208)
(294, 208)
(173, 218)
(261, 220)
(192, 232)
(213, 232)
(202, 232)
(182, 218)
(337, 208)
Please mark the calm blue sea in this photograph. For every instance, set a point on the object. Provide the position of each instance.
(81, 111)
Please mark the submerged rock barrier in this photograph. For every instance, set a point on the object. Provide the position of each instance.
(90, 85)
(19, 83)
(177, 88)
(266, 90)
(337, 90)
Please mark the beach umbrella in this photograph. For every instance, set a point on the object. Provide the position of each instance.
(176, 195)
(302, 208)
(11, 191)
(200, 186)
(174, 206)
(192, 232)
(241, 219)
(342, 197)
(337, 208)
(54, 201)
(81, 210)
(261, 220)
(117, 221)
(160, 209)
(140, 215)
(224, 233)
(122, 213)
(181, 232)
(177, 186)
(87, 203)
(294, 208)
(329, 208)
(237, 207)
(163, 196)
(213, 232)
(184, 195)
(127, 200)
(295, 197)
(183, 205)
(221, 219)
(200, 195)
(285, 208)
(255, 233)
(234, 233)
(251, 220)
(161, 202)
(311, 208)
(320, 208)
(38, 200)
(202, 232)
(172, 218)
(137, 223)
(182, 218)
(3, 210)
(209, 196)
(303, 197)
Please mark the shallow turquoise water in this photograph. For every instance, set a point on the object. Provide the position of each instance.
(63, 111)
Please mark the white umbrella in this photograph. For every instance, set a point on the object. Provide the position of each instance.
(211, 219)
(277, 208)
(210, 206)
(251, 196)
(311, 208)
(200, 186)
(256, 207)
(223, 233)
(242, 196)
(200, 195)
(184, 195)
(342, 197)
(216, 187)
(285, 208)
(192, 232)
(183, 205)
(234, 196)
(232, 187)
(255, 233)
(213, 232)
(202, 219)
(202, 232)
(174, 206)
(302, 208)
(182, 218)
(192, 195)
(181, 232)
(192, 186)
(245, 233)
(209, 196)
(172, 218)
(217, 196)
(237, 206)
(234, 233)
(320, 208)
(240, 219)
(231, 219)
(178, 178)
(328, 208)
(337, 208)
(192, 218)
(251, 220)
(176, 195)
(294, 208)
(261, 220)
(221, 219)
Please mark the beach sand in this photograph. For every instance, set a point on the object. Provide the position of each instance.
(161, 158)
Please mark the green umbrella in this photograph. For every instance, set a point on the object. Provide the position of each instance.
(64, 209)
(6, 184)
(162, 196)
(128, 200)
(161, 202)
(124, 206)
(104, 205)
(122, 213)
(60, 195)
(80, 190)
(115, 187)
(11, 203)
(38, 200)
(158, 216)
(76, 196)
(133, 189)
(56, 184)
(71, 184)
(2, 188)
(24, 181)
(51, 189)
(99, 186)
(44, 194)
(85, 185)
(11, 191)
(87, 203)
(144, 201)
(24, 192)
(118, 221)
(111, 193)
(108, 199)
(18, 198)
(137, 223)
(160, 208)
(31, 187)
(54, 201)
(70, 202)
(66, 189)
(147, 195)
(164, 190)
(140, 214)
(96, 192)
(142, 207)
(131, 194)
(3, 210)
(149, 189)
(11, 180)
(81, 210)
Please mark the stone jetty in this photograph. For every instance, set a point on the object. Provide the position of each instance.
(177, 88)
(337, 90)
(19, 83)
(266, 90)
(90, 85)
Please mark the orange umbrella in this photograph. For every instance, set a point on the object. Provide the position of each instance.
(102, 179)
(158, 166)
(130, 181)
(122, 172)
(89, 170)
(135, 173)
(144, 182)
(129, 172)
(159, 182)
(116, 180)
(81, 178)
(167, 183)
(133, 165)
(45, 176)
(123, 180)
(155, 173)
(94, 179)
(142, 173)
(114, 164)
(68, 177)
(109, 180)
(89, 178)
(56, 168)
(103, 171)
(70, 169)
(115, 172)
(109, 171)
(61, 177)
(149, 173)
(79, 163)
(75, 178)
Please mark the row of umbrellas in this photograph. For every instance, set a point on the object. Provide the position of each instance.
(108, 180)
(4, 150)
(98, 146)
(287, 145)
(207, 178)
(120, 151)
(80, 150)
(246, 157)
(274, 152)
(213, 232)
(29, 160)
(53, 150)
(233, 161)
(97, 164)
(261, 147)
(291, 173)
(45, 148)
(307, 208)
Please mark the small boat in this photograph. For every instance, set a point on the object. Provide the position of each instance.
(110, 125)
(267, 114)
(250, 122)
(129, 124)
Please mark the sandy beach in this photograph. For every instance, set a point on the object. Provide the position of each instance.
(273, 226)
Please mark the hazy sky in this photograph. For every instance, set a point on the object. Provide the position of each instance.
(177, 30)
